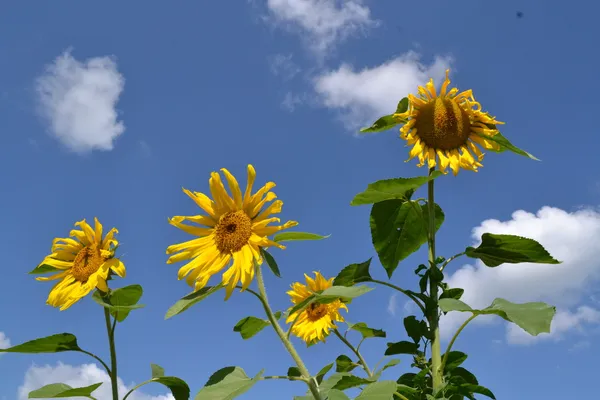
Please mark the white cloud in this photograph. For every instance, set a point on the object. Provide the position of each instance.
(79, 376)
(283, 66)
(4, 341)
(78, 100)
(322, 22)
(571, 237)
(392, 305)
(563, 321)
(365, 95)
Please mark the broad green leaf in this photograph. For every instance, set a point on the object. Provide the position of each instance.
(293, 236)
(177, 386)
(392, 189)
(415, 329)
(157, 370)
(534, 318)
(344, 293)
(191, 299)
(402, 347)
(462, 374)
(478, 389)
(495, 250)
(353, 274)
(226, 384)
(382, 124)
(328, 384)
(382, 390)
(44, 269)
(455, 358)
(391, 363)
(455, 293)
(270, 262)
(365, 331)
(335, 394)
(62, 390)
(120, 301)
(321, 374)
(398, 229)
(402, 106)
(351, 381)
(250, 326)
(344, 364)
(49, 344)
(505, 144)
(294, 372)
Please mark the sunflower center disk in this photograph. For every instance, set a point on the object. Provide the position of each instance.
(233, 232)
(316, 311)
(442, 124)
(86, 262)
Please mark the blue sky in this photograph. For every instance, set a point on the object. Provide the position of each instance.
(194, 87)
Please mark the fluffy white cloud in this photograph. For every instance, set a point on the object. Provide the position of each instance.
(322, 22)
(571, 237)
(4, 341)
(78, 376)
(364, 95)
(78, 100)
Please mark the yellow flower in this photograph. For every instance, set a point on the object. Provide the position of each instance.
(314, 323)
(447, 127)
(85, 263)
(236, 229)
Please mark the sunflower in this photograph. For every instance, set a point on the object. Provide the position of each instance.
(447, 127)
(314, 322)
(85, 262)
(235, 228)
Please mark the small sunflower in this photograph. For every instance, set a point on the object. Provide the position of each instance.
(85, 260)
(236, 227)
(314, 323)
(447, 127)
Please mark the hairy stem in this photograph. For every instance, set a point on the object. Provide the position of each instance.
(471, 318)
(312, 383)
(355, 351)
(110, 329)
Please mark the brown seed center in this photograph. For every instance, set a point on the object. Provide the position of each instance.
(87, 261)
(316, 311)
(443, 124)
(233, 231)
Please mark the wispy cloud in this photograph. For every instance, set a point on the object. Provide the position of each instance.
(4, 342)
(392, 305)
(78, 100)
(283, 66)
(322, 23)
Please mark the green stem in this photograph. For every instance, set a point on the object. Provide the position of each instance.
(355, 351)
(448, 261)
(110, 329)
(405, 292)
(402, 397)
(135, 388)
(97, 358)
(289, 378)
(471, 318)
(434, 315)
(312, 383)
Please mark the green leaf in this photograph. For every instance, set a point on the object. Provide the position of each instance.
(293, 236)
(157, 371)
(365, 331)
(463, 374)
(323, 372)
(120, 301)
(455, 358)
(44, 269)
(294, 372)
(353, 274)
(382, 124)
(351, 381)
(415, 329)
(270, 262)
(455, 293)
(402, 106)
(344, 364)
(61, 390)
(505, 144)
(190, 299)
(177, 386)
(343, 293)
(534, 318)
(382, 390)
(226, 384)
(495, 250)
(398, 229)
(402, 347)
(250, 326)
(478, 389)
(335, 394)
(49, 344)
(392, 189)
(391, 363)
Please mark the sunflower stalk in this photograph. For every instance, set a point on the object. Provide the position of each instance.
(311, 381)
(437, 375)
(355, 351)
(110, 329)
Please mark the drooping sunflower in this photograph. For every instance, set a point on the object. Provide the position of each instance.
(235, 228)
(85, 261)
(314, 323)
(445, 129)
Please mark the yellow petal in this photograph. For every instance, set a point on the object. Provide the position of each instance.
(116, 266)
(97, 231)
(234, 187)
(202, 201)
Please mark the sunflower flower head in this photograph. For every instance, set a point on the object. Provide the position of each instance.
(314, 323)
(230, 234)
(84, 262)
(445, 129)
